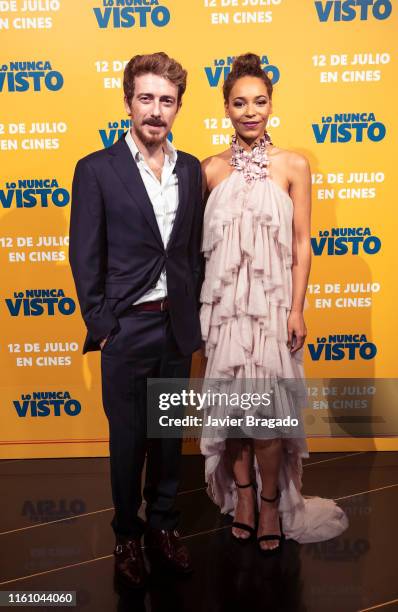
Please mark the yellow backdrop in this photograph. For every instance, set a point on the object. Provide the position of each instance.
(61, 73)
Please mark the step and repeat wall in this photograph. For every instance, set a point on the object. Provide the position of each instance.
(333, 66)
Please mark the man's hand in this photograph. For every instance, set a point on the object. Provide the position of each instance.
(103, 342)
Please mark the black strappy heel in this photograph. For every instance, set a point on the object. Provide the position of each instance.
(244, 526)
(276, 536)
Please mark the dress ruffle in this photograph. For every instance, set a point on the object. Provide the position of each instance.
(246, 299)
(247, 290)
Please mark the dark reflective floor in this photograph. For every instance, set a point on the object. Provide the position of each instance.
(55, 535)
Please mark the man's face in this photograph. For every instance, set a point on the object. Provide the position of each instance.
(153, 108)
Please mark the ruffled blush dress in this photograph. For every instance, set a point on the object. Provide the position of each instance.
(246, 298)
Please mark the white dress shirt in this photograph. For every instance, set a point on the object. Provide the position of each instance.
(163, 195)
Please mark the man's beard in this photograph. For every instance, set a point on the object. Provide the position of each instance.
(149, 141)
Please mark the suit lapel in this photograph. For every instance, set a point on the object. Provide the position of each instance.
(182, 176)
(126, 169)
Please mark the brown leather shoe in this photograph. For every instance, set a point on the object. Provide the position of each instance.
(129, 563)
(163, 546)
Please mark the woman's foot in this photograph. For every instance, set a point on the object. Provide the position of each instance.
(244, 511)
(268, 523)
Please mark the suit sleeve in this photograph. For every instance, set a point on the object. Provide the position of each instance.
(195, 255)
(87, 252)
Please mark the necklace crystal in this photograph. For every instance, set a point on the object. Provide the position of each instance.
(254, 163)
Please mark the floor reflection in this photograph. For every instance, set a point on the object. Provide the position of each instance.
(352, 573)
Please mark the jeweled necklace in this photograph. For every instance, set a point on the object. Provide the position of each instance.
(254, 163)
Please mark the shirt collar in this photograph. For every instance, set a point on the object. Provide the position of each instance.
(170, 151)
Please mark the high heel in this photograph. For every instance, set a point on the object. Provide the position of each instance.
(244, 526)
(280, 537)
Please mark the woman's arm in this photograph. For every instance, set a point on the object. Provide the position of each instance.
(300, 192)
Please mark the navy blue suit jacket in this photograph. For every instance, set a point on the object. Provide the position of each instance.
(116, 252)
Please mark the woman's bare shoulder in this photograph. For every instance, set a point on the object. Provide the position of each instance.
(217, 161)
(215, 166)
(293, 161)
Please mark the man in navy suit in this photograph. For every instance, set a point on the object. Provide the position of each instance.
(135, 235)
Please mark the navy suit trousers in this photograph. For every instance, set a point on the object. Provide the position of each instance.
(144, 347)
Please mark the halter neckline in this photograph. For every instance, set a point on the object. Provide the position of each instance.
(254, 163)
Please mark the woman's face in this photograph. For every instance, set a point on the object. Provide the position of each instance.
(249, 107)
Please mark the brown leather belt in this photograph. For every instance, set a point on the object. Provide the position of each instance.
(156, 306)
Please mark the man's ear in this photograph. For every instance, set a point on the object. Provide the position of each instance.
(179, 106)
(127, 106)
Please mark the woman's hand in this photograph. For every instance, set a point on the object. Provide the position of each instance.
(296, 331)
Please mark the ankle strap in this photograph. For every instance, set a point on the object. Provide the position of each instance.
(245, 486)
(271, 499)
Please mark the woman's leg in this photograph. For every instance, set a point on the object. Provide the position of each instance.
(240, 454)
(269, 457)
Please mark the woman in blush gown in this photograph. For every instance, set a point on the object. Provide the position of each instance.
(256, 243)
